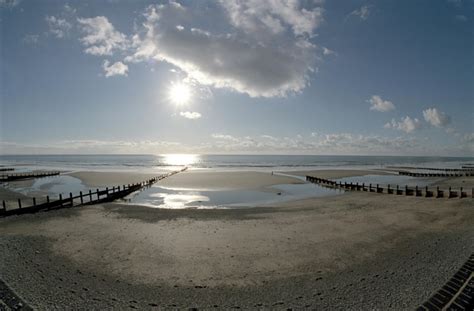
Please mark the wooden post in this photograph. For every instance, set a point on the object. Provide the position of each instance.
(34, 201)
(47, 198)
(4, 205)
(82, 200)
(61, 199)
(107, 191)
(19, 203)
(70, 198)
(97, 194)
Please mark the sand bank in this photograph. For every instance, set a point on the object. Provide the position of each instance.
(353, 251)
(104, 179)
(226, 180)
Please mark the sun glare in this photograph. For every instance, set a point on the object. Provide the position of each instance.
(180, 159)
(180, 93)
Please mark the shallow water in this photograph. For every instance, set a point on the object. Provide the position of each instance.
(54, 185)
(176, 198)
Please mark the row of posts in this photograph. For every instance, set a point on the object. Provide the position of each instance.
(399, 191)
(81, 196)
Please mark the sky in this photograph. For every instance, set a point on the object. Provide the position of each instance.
(237, 77)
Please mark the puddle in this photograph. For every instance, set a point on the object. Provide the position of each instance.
(178, 198)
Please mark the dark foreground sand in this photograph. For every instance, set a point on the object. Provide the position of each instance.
(355, 251)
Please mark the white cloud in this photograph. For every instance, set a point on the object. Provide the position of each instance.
(436, 118)
(31, 39)
(260, 63)
(407, 124)
(224, 137)
(9, 3)
(327, 51)
(101, 38)
(59, 27)
(117, 68)
(378, 104)
(363, 12)
(273, 16)
(190, 115)
(461, 18)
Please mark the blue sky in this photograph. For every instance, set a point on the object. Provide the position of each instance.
(285, 77)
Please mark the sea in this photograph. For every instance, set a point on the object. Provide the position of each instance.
(222, 162)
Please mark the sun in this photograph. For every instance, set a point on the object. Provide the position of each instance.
(180, 93)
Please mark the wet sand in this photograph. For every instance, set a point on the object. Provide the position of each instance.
(352, 251)
(227, 180)
(329, 174)
(104, 179)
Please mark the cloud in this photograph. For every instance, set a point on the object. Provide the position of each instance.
(116, 69)
(327, 51)
(224, 137)
(31, 39)
(272, 16)
(436, 118)
(363, 12)
(263, 52)
(190, 115)
(407, 124)
(59, 27)
(101, 38)
(9, 3)
(461, 18)
(91, 146)
(378, 104)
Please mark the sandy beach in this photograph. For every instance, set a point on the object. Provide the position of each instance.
(353, 251)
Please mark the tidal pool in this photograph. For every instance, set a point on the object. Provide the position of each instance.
(178, 198)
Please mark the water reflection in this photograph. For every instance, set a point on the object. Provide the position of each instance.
(180, 159)
(177, 200)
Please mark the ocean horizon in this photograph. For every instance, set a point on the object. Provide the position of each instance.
(222, 162)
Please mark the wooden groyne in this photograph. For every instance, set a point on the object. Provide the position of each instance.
(417, 174)
(18, 176)
(462, 169)
(397, 190)
(83, 198)
(456, 294)
(6, 169)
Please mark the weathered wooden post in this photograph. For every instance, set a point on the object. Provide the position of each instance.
(19, 203)
(61, 199)
(97, 193)
(80, 194)
(47, 198)
(462, 194)
(34, 201)
(70, 198)
(4, 206)
(439, 193)
(90, 195)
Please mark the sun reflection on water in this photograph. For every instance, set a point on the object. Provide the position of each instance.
(178, 200)
(180, 159)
